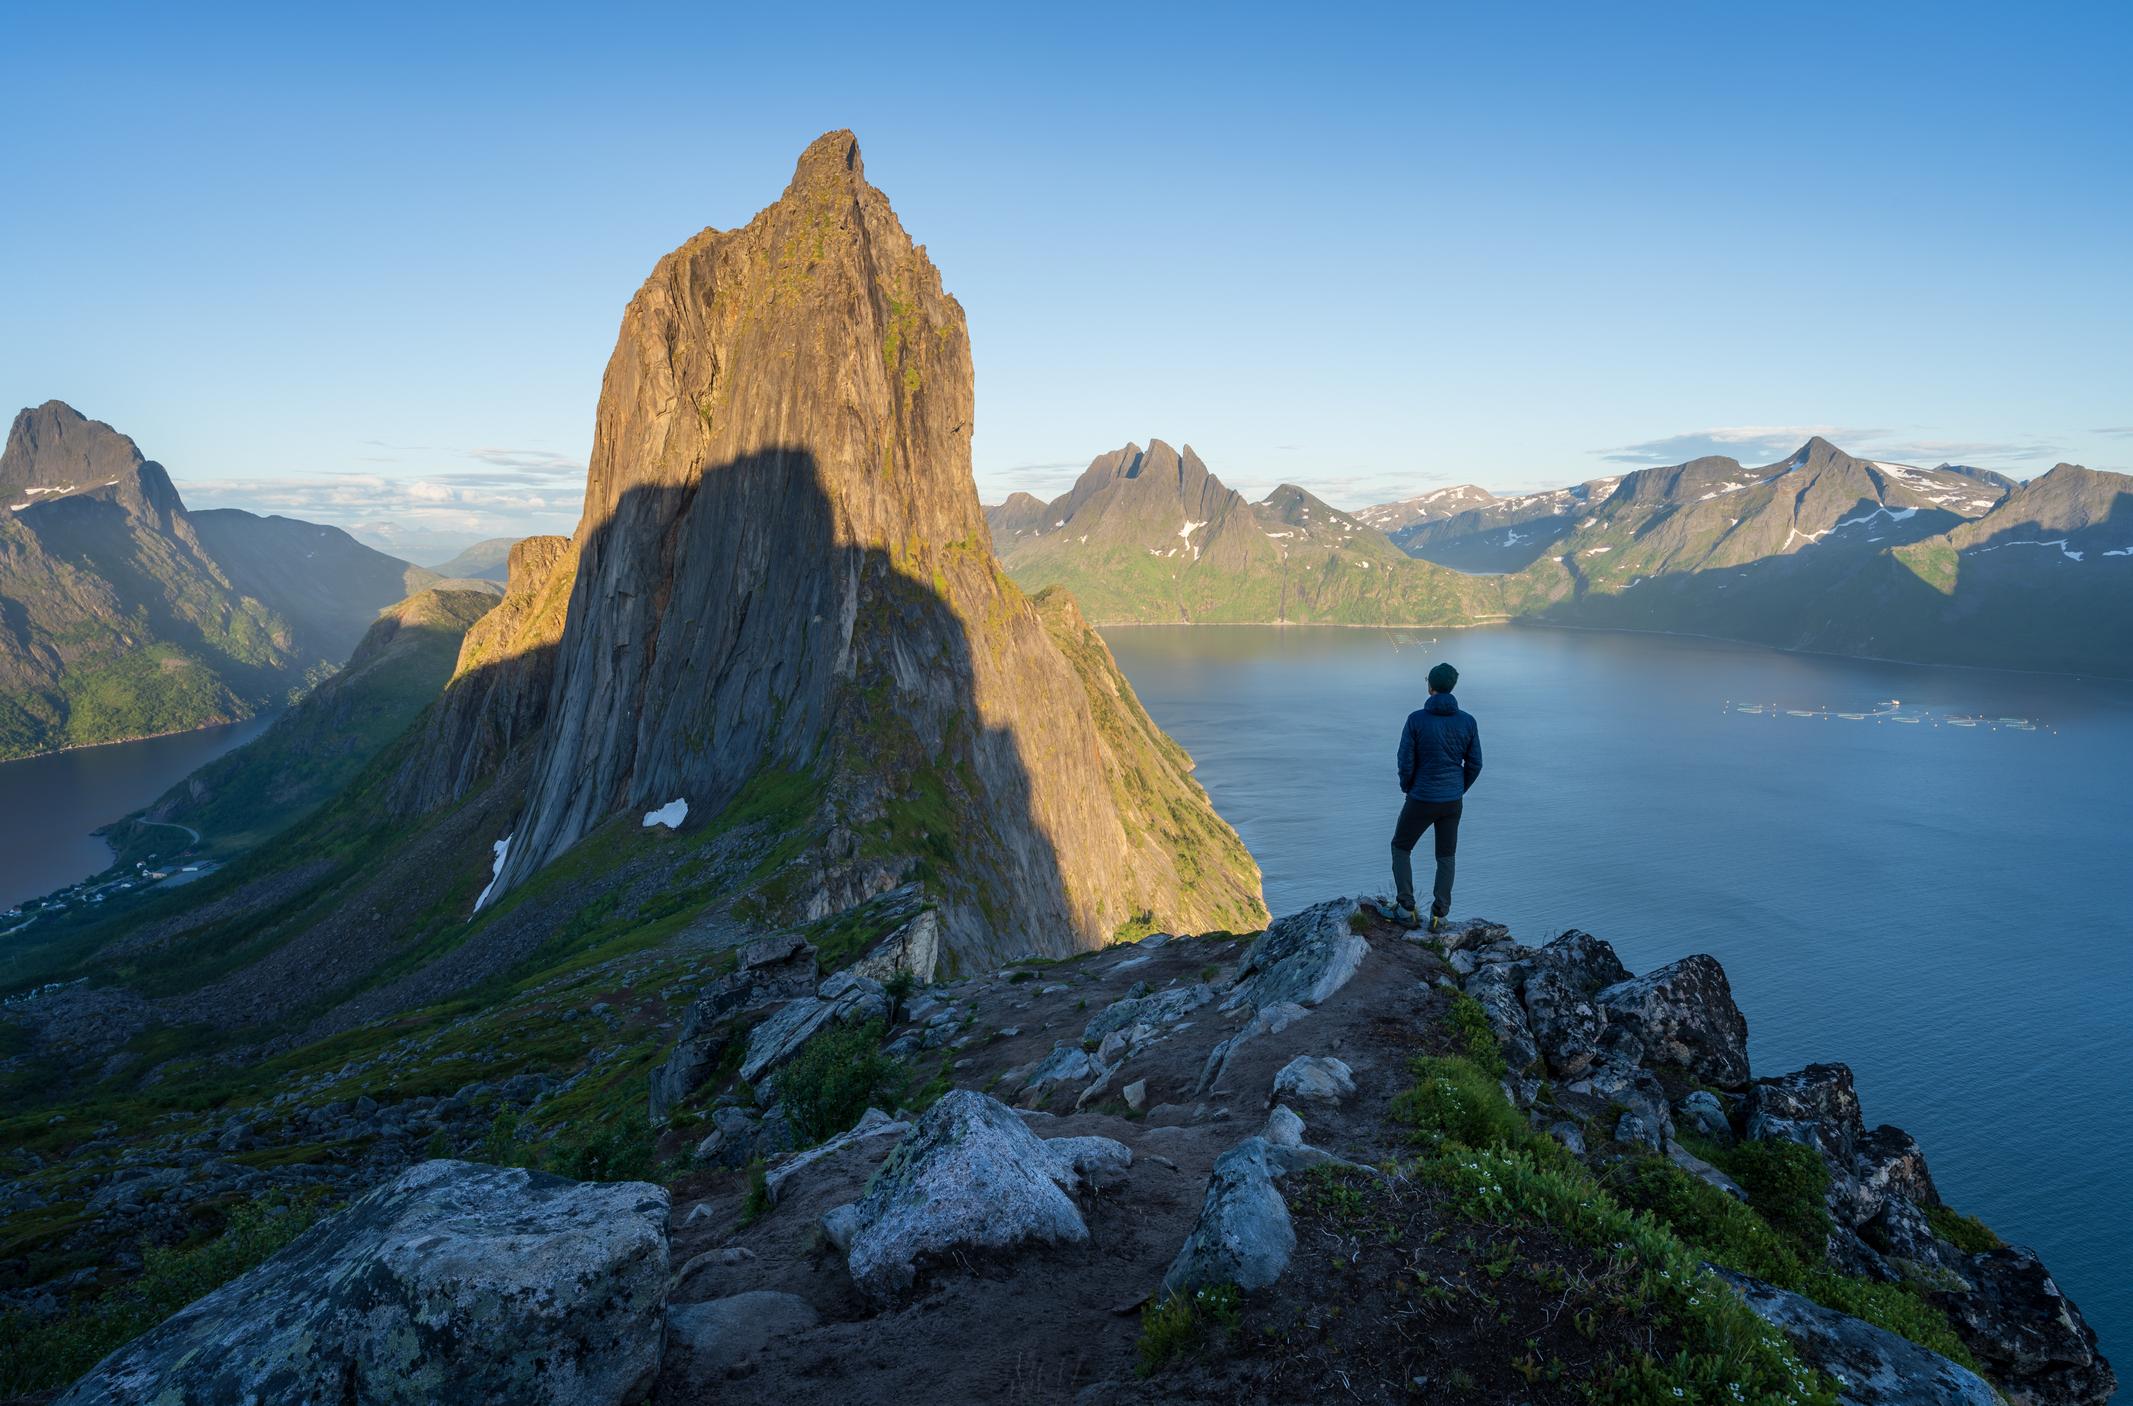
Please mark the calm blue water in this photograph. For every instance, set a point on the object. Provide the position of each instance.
(49, 806)
(1948, 910)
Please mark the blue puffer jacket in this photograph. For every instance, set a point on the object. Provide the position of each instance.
(1440, 751)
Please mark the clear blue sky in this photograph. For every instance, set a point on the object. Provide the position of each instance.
(367, 268)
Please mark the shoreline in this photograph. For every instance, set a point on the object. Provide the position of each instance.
(1522, 622)
(127, 741)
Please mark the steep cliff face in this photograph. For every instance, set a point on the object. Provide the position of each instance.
(783, 565)
(497, 698)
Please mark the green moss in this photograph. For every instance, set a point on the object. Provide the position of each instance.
(38, 1353)
(1966, 1233)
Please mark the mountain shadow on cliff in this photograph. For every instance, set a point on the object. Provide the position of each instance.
(358, 913)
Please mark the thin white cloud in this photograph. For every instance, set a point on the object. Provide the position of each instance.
(539, 461)
(1756, 445)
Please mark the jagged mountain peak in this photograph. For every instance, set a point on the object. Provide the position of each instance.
(53, 446)
(781, 568)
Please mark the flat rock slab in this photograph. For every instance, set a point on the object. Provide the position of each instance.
(1872, 1367)
(1304, 957)
(456, 1282)
(1314, 1079)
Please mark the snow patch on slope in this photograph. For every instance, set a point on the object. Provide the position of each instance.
(670, 815)
(503, 851)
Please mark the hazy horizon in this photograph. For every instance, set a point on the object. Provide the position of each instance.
(368, 272)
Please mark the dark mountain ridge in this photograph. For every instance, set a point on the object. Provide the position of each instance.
(1154, 536)
(122, 614)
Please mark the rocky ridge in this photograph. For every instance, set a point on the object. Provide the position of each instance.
(129, 615)
(1139, 1145)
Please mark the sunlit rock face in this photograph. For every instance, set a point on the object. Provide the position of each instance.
(782, 564)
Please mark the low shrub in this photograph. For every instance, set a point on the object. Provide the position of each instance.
(838, 1076)
(1473, 1036)
(1786, 1182)
(1180, 1323)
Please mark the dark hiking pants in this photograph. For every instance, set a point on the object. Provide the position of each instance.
(1415, 817)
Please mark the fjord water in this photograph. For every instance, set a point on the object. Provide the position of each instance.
(1947, 909)
(50, 806)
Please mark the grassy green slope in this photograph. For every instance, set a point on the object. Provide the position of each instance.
(317, 747)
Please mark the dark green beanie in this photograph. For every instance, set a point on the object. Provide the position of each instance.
(1443, 677)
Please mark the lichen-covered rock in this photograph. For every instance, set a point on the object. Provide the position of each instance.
(1871, 1366)
(846, 996)
(456, 1282)
(970, 1175)
(1683, 1013)
(914, 947)
(1243, 1236)
(1496, 990)
(2027, 1334)
(1702, 1114)
(1303, 958)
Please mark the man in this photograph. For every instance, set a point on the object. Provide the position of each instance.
(1440, 755)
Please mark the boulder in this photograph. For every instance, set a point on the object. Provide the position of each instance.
(719, 1336)
(1683, 1015)
(915, 948)
(1565, 1022)
(1586, 962)
(1871, 1366)
(1066, 1064)
(846, 996)
(1303, 958)
(1314, 1079)
(1243, 1235)
(1817, 1105)
(969, 1176)
(455, 1282)
(1496, 990)
(1700, 1112)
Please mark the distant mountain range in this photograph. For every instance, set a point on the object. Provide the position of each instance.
(486, 560)
(1152, 536)
(122, 614)
(1821, 551)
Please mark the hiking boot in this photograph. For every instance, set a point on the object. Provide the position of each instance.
(1405, 915)
(1438, 922)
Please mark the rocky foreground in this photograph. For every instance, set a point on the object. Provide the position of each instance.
(1330, 1157)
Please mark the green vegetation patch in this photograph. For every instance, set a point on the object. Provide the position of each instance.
(39, 1354)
